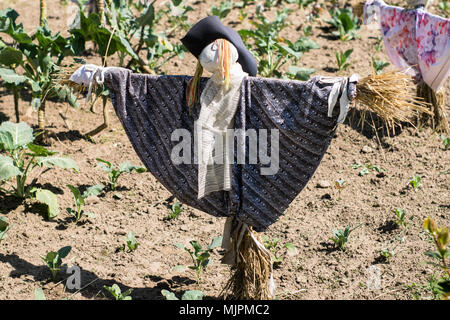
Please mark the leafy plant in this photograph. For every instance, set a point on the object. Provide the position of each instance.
(131, 241)
(444, 8)
(175, 212)
(79, 201)
(441, 239)
(275, 248)
(415, 182)
(379, 65)
(200, 257)
(272, 51)
(39, 57)
(53, 260)
(367, 168)
(386, 254)
(117, 293)
(49, 199)
(302, 4)
(114, 174)
(345, 22)
(400, 213)
(341, 236)
(24, 156)
(445, 141)
(222, 10)
(4, 228)
(188, 295)
(342, 59)
(39, 294)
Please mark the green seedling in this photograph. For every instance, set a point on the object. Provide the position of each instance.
(367, 168)
(39, 294)
(114, 173)
(23, 158)
(4, 228)
(340, 185)
(200, 258)
(79, 201)
(117, 293)
(415, 182)
(175, 212)
(400, 213)
(441, 238)
(188, 295)
(386, 254)
(445, 141)
(302, 4)
(345, 22)
(222, 10)
(341, 236)
(131, 241)
(276, 249)
(53, 260)
(342, 59)
(379, 65)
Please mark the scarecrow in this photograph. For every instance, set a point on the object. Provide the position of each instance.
(419, 43)
(235, 145)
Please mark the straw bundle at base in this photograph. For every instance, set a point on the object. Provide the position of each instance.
(436, 101)
(390, 96)
(251, 278)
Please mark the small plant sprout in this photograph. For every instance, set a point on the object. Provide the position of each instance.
(175, 212)
(131, 242)
(53, 260)
(342, 59)
(117, 293)
(386, 254)
(275, 248)
(79, 201)
(367, 168)
(400, 213)
(441, 239)
(39, 294)
(379, 65)
(340, 185)
(341, 236)
(188, 295)
(114, 173)
(445, 141)
(415, 182)
(200, 258)
(4, 228)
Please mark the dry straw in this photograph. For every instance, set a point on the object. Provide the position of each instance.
(391, 96)
(251, 275)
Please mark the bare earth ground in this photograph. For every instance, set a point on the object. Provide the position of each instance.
(316, 271)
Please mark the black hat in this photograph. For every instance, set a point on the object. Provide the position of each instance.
(211, 28)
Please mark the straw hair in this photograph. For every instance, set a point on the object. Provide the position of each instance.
(224, 60)
(250, 280)
(389, 95)
(193, 87)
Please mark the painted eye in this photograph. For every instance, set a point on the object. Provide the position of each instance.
(214, 46)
